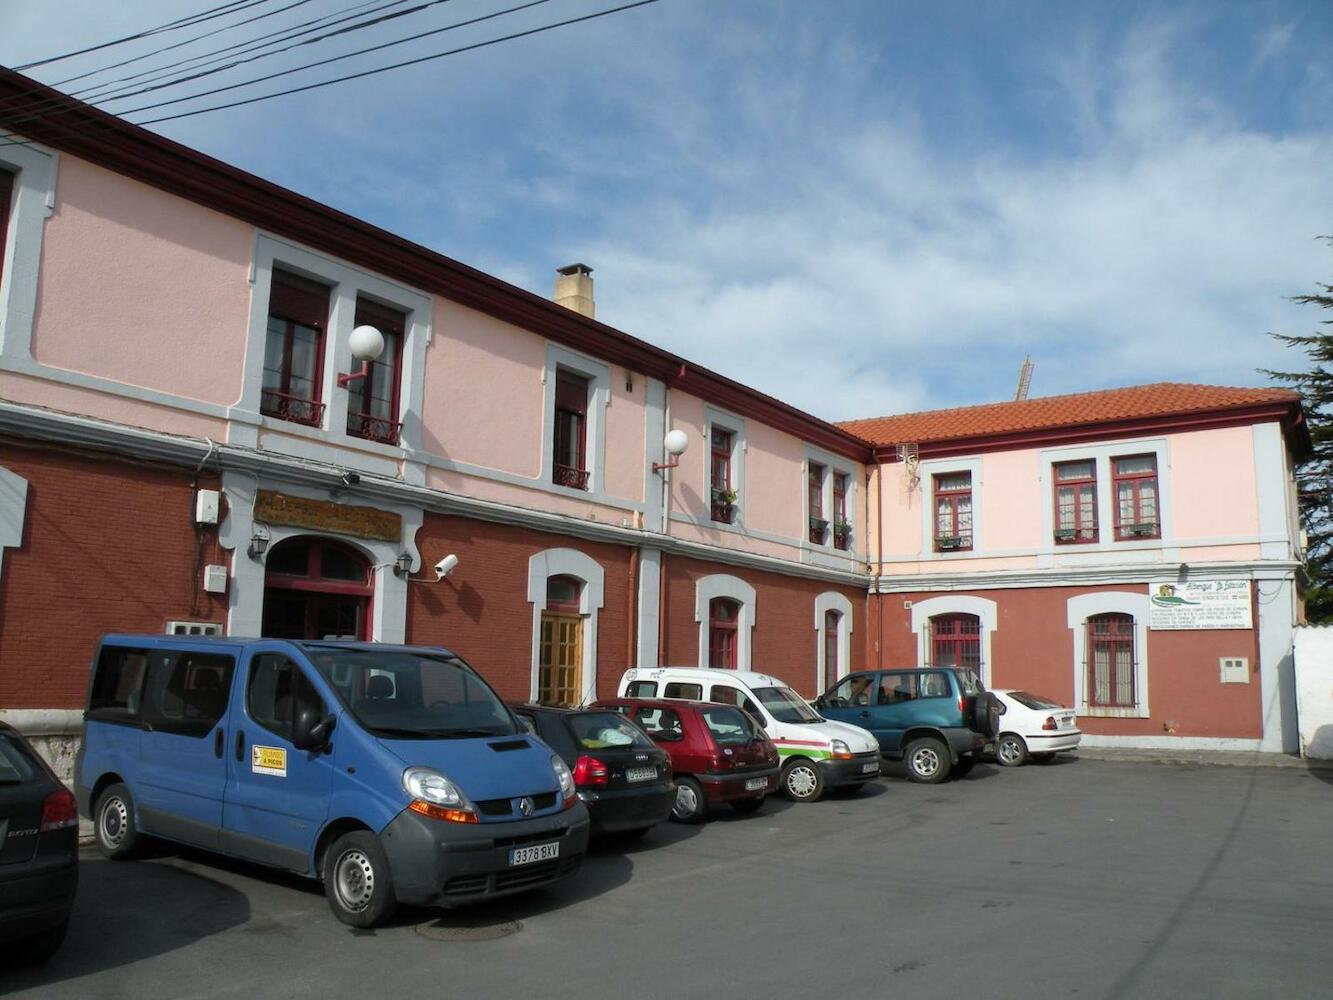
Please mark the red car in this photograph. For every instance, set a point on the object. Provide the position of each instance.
(717, 752)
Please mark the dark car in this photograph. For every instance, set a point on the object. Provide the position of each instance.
(718, 753)
(39, 852)
(936, 718)
(621, 775)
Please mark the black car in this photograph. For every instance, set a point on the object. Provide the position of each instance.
(622, 776)
(39, 852)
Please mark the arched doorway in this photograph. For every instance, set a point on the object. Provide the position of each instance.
(560, 655)
(723, 618)
(315, 588)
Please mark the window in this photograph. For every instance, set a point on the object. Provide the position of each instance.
(729, 726)
(660, 723)
(118, 684)
(372, 402)
(641, 689)
(722, 632)
(723, 494)
(832, 622)
(278, 691)
(842, 528)
(733, 696)
(854, 690)
(1075, 502)
(955, 641)
(818, 523)
(1135, 482)
(897, 688)
(1110, 652)
(685, 692)
(6, 199)
(298, 313)
(953, 512)
(187, 692)
(570, 466)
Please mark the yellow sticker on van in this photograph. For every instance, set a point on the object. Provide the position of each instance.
(268, 760)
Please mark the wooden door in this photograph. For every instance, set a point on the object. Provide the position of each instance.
(560, 663)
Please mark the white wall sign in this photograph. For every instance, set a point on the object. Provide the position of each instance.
(1202, 605)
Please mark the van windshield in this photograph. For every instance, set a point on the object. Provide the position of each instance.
(786, 705)
(400, 695)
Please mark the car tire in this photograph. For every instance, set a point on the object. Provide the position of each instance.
(988, 709)
(928, 760)
(38, 948)
(690, 805)
(1010, 750)
(964, 765)
(802, 780)
(114, 830)
(747, 806)
(357, 880)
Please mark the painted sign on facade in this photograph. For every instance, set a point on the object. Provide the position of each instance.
(1205, 604)
(272, 507)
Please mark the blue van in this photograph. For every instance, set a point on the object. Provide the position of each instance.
(393, 773)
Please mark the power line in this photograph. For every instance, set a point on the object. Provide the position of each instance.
(385, 69)
(234, 7)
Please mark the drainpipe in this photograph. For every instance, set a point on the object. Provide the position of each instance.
(631, 604)
(879, 558)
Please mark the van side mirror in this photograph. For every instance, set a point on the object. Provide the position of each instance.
(819, 702)
(311, 731)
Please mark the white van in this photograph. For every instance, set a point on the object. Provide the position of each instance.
(816, 753)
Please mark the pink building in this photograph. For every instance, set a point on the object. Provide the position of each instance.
(187, 443)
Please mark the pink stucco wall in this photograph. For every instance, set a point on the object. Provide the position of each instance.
(1215, 494)
(141, 287)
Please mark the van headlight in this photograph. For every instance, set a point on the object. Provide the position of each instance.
(434, 795)
(839, 750)
(566, 779)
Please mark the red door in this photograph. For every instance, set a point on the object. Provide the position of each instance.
(316, 589)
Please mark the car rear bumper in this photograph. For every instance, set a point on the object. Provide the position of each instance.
(1050, 742)
(436, 863)
(728, 787)
(612, 810)
(34, 901)
(861, 767)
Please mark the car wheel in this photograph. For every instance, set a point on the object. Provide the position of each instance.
(965, 765)
(927, 760)
(988, 709)
(357, 880)
(114, 828)
(37, 948)
(747, 806)
(801, 780)
(690, 806)
(1010, 750)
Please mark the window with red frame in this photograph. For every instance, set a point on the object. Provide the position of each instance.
(723, 617)
(298, 314)
(6, 199)
(372, 402)
(1134, 480)
(1075, 502)
(842, 528)
(832, 619)
(955, 641)
(953, 511)
(723, 495)
(1111, 661)
(818, 523)
(571, 431)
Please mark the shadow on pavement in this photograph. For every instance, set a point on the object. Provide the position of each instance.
(128, 911)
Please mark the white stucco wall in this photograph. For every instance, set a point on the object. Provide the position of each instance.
(1314, 690)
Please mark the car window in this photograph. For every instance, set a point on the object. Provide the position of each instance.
(729, 726)
(688, 692)
(641, 689)
(734, 696)
(786, 705)
(604, 730)
(855, 690)
(935, 684)
(15, 767)
(1033, 700)
(660, 723)
(969, 683)
(277, 693)
(186, 692)
(118, 683)
(897, 688)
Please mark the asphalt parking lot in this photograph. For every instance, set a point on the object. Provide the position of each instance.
(1084, 878)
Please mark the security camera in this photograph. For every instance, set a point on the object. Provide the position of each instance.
(445, 566)
(351, 478)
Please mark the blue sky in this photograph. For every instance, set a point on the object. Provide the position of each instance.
(861, 207)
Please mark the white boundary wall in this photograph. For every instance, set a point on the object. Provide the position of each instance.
(1314, 689)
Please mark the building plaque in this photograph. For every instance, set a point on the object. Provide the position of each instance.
(272, 507)
(1202, 605)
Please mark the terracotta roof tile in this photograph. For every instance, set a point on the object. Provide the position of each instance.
(1079, 409)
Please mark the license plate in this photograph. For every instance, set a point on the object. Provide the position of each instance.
(640, 773)
(870, 769)
(537, 852)
(754, 784)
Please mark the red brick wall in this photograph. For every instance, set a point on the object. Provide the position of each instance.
(784, 636)
(1033, 648)
(107, 547)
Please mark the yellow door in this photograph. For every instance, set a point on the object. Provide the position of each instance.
(560, 660)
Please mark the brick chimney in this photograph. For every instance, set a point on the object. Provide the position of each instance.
(573, 288)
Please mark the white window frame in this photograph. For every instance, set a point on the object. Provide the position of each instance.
(1085, 606)
(1102, 455)
(736, 425)
(13, 512)
(35, 169)
(828, 601)
(987, 614)
(833, 466)
(587, 570)
(942, 467)
(598, 375)
(706, 589)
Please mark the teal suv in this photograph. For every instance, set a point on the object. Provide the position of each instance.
(937, 719)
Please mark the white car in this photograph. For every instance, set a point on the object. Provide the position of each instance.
(1033, 726)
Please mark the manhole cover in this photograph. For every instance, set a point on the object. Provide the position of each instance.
(468, 927)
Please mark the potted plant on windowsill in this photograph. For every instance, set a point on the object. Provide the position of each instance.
(724, 504)
(842, 533)
(1143, 529)
(949, 542)
(1066, 534)
(818, 530)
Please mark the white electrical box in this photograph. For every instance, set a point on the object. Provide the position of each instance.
(1234, 670)
(215, 579)
(206, 507)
